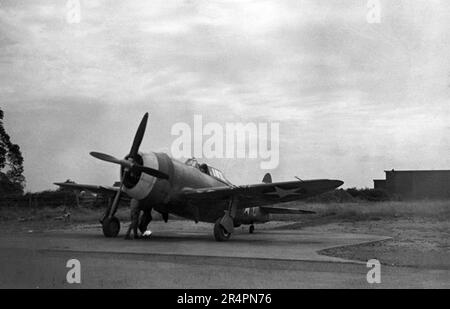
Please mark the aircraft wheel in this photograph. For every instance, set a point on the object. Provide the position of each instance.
(220, 234)
(251, 229)
(111, 227)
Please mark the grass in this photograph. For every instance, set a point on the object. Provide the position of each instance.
(40, 218)
(43, 218)
(372, 210)
(23, 214)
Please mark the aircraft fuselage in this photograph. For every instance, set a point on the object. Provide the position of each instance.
(161, 194)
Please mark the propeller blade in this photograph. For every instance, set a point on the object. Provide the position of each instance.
(105, 157)
(109, 158)
(130, 165)
(138, 137)
(150, 171)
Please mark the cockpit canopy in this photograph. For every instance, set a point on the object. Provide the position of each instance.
(204, 168)
(192, 162)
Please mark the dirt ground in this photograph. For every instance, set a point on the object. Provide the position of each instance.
(420, 231)
(416, 242)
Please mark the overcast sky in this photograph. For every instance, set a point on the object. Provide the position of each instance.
(352, 98)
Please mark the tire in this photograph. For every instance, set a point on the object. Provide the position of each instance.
(251, 229)
(111, 227)
(219, 232)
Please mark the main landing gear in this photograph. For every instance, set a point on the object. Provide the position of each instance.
(111, 227)
(220, 234)
(110, 223)
(224, 226)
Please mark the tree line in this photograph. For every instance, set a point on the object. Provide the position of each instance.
(12, 180)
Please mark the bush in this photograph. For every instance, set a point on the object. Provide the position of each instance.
(40, 199)
(366, 194)
(352, 195)
(335, 196)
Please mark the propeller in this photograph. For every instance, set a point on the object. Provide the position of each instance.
(129, 165)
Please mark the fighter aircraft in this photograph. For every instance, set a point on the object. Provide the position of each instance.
(196, 191)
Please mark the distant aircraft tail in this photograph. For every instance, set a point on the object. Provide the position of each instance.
(267, 178)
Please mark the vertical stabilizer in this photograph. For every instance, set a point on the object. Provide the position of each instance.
(267, 178)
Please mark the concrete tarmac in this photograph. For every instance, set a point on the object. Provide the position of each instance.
(181, 254)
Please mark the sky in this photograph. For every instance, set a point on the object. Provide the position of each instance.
(352, 98)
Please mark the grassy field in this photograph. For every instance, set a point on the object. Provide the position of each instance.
(43, 218)
(325, 212)
(371, 210)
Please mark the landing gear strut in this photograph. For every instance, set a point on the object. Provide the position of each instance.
(110, 223)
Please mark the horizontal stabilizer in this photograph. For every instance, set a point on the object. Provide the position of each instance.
(284, 210)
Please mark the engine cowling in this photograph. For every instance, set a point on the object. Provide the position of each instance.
(139, 185)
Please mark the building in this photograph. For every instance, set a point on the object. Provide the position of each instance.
(434, 184)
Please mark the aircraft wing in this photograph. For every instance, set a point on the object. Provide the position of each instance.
(107, 190)
(262, 194)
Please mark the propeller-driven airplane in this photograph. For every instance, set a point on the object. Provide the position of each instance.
(196, 191)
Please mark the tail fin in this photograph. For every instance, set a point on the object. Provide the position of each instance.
(267, 178)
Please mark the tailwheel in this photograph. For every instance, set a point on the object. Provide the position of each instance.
(251, 229)
(220, 234)
(111, 227)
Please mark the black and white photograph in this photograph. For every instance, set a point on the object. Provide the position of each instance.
(245, 146)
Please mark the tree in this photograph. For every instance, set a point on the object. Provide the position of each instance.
(12, 180)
